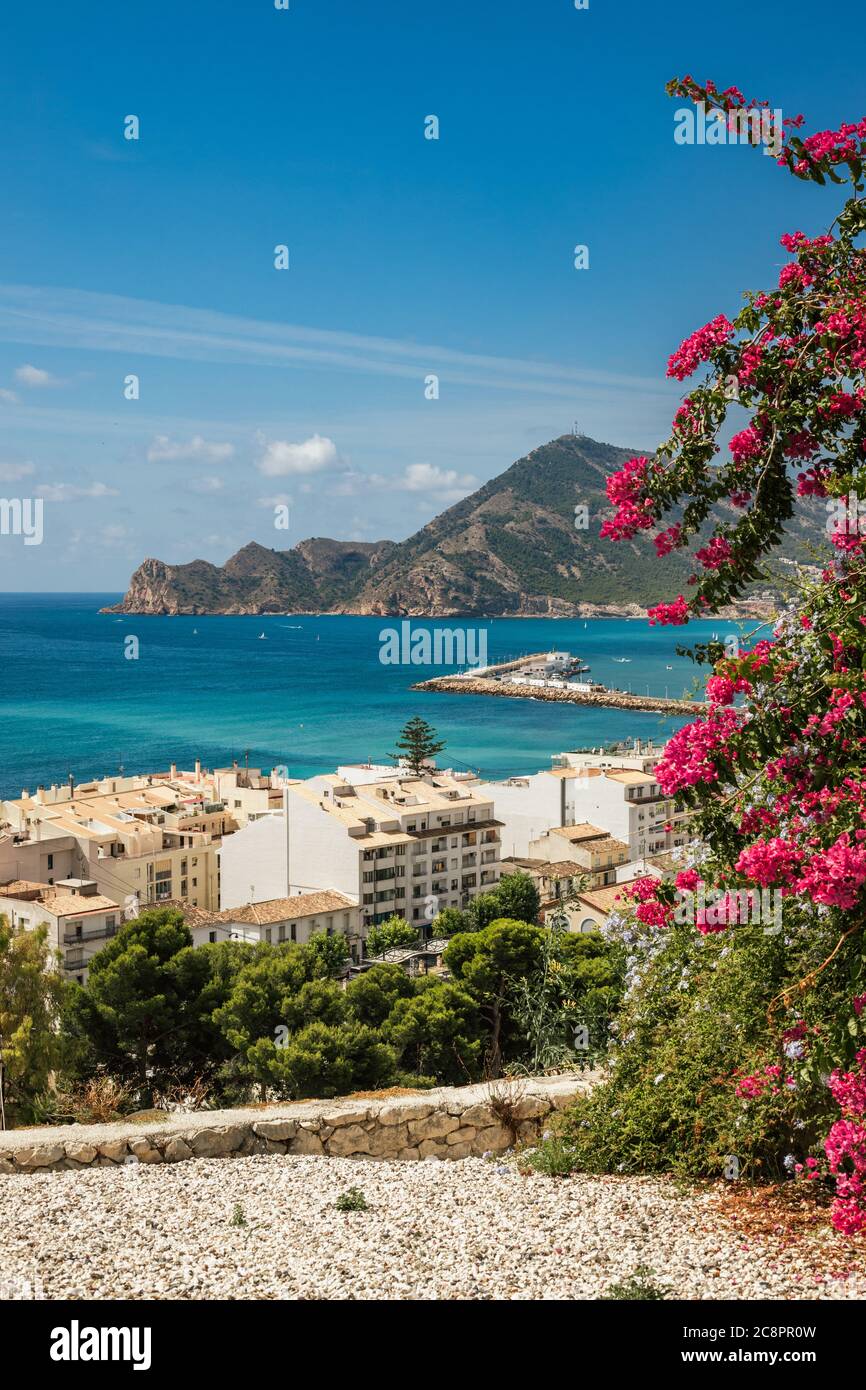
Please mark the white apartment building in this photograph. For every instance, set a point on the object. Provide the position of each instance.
(144, 838)
(632, 807)
(279, 920)
(530, 806)
(399, 844)
(595, 852)
(79, 918)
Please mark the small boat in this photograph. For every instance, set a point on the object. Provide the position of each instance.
(669, 668)
(262, 637)
(621, 658)
(195, 632)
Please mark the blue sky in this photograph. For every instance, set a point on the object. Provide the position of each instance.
(408, 256)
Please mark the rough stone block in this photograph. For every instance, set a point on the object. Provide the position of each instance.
(306, 1143)
(145, 1151)
(530, 1107)
(482, 1116)
(348, 1139)
(337, 1118)
(407, 1110)
(40, 1155)
(81, 1153)
(464, 1135)
(429, 1148)
(458, 1151)
(435, 1126)
(176, 1150)
(213, 1143)
(276, 1129)
(496, 1138)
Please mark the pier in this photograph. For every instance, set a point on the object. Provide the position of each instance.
(598, 697)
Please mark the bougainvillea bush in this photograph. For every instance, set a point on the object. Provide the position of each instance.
(742, 1044)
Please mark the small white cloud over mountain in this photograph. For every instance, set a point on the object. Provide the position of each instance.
(280, 458)
(446, 483)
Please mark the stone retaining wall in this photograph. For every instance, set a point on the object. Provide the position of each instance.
(453, 1122)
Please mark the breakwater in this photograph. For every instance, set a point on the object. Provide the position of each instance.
(604, 699)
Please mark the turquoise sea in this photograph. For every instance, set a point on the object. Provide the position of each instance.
(310, 695)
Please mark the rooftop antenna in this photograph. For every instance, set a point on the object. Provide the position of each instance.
(575, 429)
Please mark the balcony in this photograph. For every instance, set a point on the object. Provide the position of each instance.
(92, 934)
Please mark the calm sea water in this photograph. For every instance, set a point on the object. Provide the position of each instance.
(311, 695)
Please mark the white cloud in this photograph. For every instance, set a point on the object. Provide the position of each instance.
(114, 535)
(11, 472)
(53, 317)
(8, 396)
(210, 484)
(446, 483)
(164, 450)
(314, 455)
(68, 492)
(279, 499)
(28, 375)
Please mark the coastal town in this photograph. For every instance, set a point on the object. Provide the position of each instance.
(254, 856)
(433, 638)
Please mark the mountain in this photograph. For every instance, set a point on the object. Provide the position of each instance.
(511, 548)
(308, 579)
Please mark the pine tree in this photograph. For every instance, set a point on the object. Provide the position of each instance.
(417, 745)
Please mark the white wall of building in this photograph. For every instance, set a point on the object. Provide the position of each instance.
(253, 863)
(528, 807)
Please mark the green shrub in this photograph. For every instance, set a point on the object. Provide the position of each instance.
(702, 1013)
(637, 1286)
(554, 1157)
(352, 1199)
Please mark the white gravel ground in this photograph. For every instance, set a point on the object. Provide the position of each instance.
(468, 1229)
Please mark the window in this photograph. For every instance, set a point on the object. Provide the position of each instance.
(268, 935)
(51, 861)
(281, 935)
(211, 936)
(294, 931)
